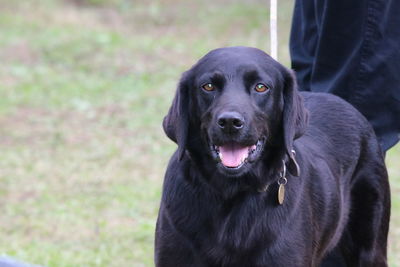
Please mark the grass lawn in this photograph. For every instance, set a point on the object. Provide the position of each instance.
(84, 85)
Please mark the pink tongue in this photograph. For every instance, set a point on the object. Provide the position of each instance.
(231, 155)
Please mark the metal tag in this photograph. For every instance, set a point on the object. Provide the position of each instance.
(281, 194)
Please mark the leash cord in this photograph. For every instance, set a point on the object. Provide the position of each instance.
(273, 23)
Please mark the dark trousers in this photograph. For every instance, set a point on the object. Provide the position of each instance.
(351, 48)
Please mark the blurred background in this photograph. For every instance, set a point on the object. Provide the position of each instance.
(84, 85)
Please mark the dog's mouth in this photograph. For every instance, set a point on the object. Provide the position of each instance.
(234, 155)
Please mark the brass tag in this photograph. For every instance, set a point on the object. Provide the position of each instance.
(281, 194)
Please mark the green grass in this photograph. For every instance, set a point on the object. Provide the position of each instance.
(84, 85)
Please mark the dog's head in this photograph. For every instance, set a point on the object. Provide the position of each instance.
(233, 106)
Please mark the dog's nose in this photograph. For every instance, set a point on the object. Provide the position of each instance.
(230, 121)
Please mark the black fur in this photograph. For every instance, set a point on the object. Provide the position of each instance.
(335, 213)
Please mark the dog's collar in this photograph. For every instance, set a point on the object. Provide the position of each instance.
(293, 166)
(294, 169)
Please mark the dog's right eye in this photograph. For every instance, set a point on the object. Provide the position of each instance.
(208, 87)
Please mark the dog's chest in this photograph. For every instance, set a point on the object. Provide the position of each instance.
(236, 234)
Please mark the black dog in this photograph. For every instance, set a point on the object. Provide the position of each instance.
(228, 200)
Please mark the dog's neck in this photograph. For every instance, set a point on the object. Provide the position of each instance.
(288, 163)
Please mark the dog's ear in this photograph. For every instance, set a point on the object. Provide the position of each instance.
(295, 118)
(176, 122)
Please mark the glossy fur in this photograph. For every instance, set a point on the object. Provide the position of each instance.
(335, 213)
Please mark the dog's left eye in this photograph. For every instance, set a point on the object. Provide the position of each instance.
(261, 88)
(208, 87)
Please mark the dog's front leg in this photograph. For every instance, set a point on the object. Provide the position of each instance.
(171, 248)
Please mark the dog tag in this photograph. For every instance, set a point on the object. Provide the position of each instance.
(281, 194)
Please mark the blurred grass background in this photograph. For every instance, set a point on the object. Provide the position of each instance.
(84, 85)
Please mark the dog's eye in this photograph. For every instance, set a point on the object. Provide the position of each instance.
(208, 87)
(261, 88)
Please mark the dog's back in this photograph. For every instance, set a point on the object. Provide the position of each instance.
(342, 138)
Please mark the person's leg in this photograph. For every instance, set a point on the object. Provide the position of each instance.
(350, 49)
(303, 42)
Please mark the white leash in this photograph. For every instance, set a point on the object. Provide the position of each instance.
(273, 25)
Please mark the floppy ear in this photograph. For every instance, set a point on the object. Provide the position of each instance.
(176, 122)
(295, 118)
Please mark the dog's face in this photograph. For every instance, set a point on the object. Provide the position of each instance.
(234, 105)
(237, 105)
